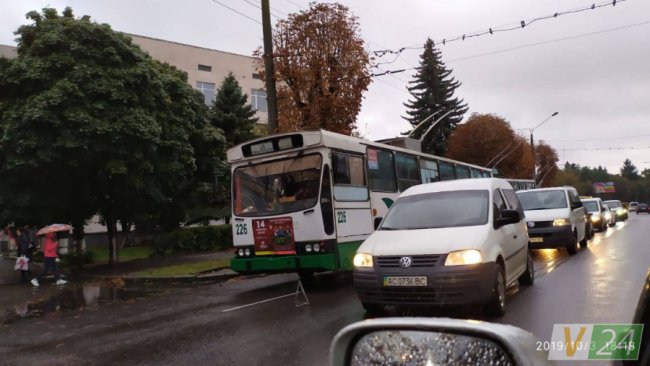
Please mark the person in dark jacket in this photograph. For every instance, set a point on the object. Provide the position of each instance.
(25, 247)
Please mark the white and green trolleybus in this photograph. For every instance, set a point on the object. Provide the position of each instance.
(304, 201)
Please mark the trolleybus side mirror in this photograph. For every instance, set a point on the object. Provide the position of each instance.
(378, 222)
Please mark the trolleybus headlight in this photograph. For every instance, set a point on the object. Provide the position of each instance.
(363, 260)
(247, 251)
(308, 248)
(240, 252)
(316, 247)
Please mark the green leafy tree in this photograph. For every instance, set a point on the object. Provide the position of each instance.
(432, 91)
(92, 123)
(232, 113)
(629, 171)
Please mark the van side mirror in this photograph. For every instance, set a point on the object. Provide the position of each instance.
(378, 222)
(508, 217)
(575, 205)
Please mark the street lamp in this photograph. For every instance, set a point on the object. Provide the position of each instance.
(532, 145)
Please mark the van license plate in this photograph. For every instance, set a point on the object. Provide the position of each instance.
(405, 281)
(536, 240)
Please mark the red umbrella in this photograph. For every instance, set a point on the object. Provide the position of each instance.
(54, 228)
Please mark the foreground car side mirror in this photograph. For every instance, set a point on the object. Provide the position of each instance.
(434, 341)
(508, 217)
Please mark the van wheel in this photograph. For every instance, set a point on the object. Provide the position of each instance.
(573, 247)
(496, 306)
(583, 242)
(528, 277)
(373, 309)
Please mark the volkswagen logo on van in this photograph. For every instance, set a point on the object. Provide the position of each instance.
(531, 224)
(405, 262)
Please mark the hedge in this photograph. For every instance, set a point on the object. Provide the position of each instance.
(194, 239)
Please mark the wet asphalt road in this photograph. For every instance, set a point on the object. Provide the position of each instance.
(189, 326)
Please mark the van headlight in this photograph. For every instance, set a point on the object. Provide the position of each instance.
(594, 218)
(463, 257)
(362, 260)
(561, 222)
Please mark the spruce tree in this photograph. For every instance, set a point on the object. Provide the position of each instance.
(232, 113)
(629, 170)
(432, 91)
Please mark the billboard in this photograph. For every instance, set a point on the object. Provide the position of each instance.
(604, 187)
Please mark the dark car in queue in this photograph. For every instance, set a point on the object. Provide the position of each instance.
(643, 208)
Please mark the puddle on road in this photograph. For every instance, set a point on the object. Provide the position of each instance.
(79, 297)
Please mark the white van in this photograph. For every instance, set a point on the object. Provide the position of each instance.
(446, 243)
(555, 217)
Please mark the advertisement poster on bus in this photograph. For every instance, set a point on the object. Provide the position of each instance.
(604, 187)
(373, 162)
(274, 236)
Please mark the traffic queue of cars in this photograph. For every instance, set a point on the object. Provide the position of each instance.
(464, 242)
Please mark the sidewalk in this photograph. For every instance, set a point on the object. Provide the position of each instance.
(129, 270)
(15, 294)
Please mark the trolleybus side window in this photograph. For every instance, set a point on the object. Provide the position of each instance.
(446, 171)
(407, 171)
(462, 172)
(381, 170)
(476, 173)
(349, 178)
(429, 171)
(486, 174)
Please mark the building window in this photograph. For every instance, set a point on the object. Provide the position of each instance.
(258, 100)
(207, 89)
(257, 76)
(205, 68)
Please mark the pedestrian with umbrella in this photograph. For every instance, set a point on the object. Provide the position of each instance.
(50, 249)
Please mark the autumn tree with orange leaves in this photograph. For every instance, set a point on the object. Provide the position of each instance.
(547, 158)
(488, 140)
(322, 69)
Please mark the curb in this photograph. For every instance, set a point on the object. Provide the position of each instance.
(199, 277)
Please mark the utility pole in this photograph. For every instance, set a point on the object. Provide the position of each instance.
(532, 146)
(269, 68)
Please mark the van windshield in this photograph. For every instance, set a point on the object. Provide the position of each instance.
(542, 200)
(613, 204)
(438, 210)
(590, 206)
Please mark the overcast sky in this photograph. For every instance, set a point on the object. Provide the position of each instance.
(599, 83)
